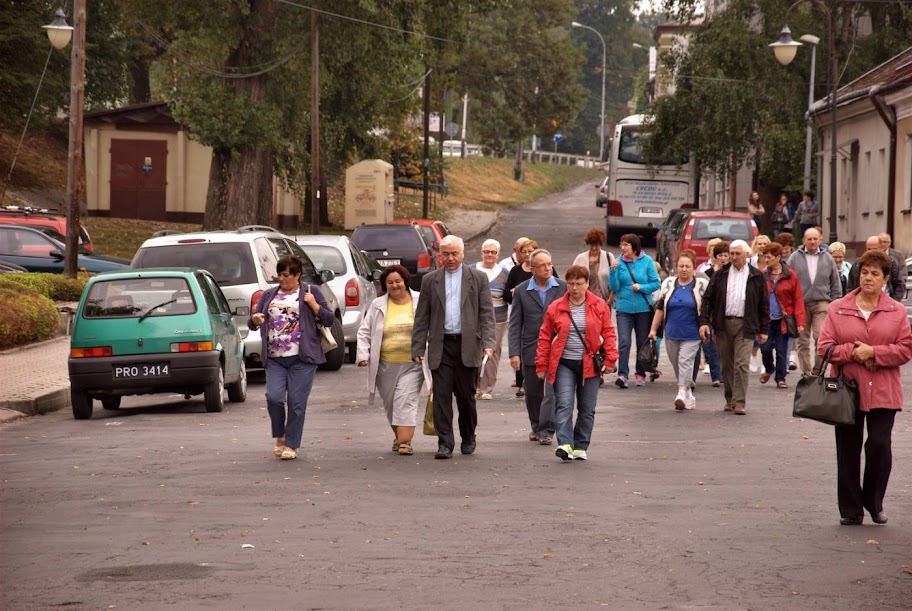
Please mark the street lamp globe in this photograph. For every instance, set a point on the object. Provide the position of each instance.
(59, 31)
(785, 48)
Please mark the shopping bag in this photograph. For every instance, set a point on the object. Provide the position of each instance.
(429, 416)
(648, 355)
(327, 341)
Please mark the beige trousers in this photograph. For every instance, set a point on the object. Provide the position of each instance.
(816, 313)
(735, 356)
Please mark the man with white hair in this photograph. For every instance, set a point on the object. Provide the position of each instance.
(820, 285)
(895, 287)
(736, 306)
(454, 326)
(497, 278)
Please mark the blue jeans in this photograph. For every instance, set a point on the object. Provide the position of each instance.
(627, 325)
(569, 385)
(288, 377)
(776, 341)
(711, 352)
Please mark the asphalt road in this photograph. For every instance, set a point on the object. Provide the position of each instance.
(161, 505)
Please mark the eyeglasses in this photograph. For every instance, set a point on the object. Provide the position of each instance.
(543, 265)
(489, 252)
(579, 284)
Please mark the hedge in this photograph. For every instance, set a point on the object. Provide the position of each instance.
(55, 287)
(25, 316)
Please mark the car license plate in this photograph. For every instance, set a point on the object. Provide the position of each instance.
(387, 262)
(651, 210)
(141, 371)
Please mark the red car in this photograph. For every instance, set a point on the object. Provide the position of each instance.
(434, 231)
(701, 226)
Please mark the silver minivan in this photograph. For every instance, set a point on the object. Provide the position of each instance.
(243, 264)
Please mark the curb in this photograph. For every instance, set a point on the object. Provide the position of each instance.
(59, 338)
(50, 401)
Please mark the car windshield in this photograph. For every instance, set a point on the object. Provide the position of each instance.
(387, 238)
(134, 297)
(229, 263)
(725, 228)
(326, 257)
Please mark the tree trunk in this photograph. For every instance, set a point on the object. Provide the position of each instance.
(518, 167)
(240, 181)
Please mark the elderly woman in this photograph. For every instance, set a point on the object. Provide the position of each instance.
(633, 279)
(837, 250)
(786, 299)
(287, 317)
(497, 278)
(576, 326)
(598, 261)
(678, 306)
(385, 348)
(871, 340)
(518, 274)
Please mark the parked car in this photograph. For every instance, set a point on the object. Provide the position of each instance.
(601, 193)
(42, 217)
(30, 248)
(668, 233)
(700, 226)
(356, 282)
(398, 244)
(11, 268)
(243, 264)
(434, 232)
(152, 331)
(53, 233)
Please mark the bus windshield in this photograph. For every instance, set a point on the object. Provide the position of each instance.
(630, 148)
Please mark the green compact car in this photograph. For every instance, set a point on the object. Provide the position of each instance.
(151, 331)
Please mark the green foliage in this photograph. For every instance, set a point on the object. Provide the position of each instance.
(25, 316)
(55, 287)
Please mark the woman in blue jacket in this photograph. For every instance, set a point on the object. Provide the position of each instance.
(633, 279)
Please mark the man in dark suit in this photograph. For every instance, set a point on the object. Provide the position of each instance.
(454, 322)
(530, 300)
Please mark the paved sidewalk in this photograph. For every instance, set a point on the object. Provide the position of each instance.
(34, 379)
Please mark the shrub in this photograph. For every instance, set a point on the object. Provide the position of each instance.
(25, 317)
(55, 287)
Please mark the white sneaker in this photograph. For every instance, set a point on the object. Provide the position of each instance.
(792, 364)
(690, 401)
(580, 455)
(680, 400)
(756, 363)
(564, 452)
(706, 369)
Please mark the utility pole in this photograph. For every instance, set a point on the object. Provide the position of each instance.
(465, 110)
(426, 95)
(74, 156)
(315, 195)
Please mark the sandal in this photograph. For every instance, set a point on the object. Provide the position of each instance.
(289, 454)
(395, 444)
(405, 449)
(764, 377)
(279, 447)
(781, 384)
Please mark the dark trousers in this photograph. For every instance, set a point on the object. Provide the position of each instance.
(539, 402)
(776, 346)
(856, 495)
(453, 378)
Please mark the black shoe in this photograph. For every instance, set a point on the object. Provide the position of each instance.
(467, 447)
(443, 452)
(879, 518)
(853, 521)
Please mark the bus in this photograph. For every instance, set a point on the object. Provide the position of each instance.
(641, 196)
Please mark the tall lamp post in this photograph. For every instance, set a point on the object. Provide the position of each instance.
(577, 24)
(785, 50)
(809, 39)
(59, 34)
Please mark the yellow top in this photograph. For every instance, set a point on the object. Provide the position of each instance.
(397, 333)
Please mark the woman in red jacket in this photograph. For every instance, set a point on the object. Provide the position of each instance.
(785, 299)
(576, 326)
(872, 340)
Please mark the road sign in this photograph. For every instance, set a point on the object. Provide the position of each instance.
(452, 129)
(558, 137)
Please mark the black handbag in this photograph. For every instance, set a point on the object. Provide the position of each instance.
(828, 400)
(648, 355)
(791, 326)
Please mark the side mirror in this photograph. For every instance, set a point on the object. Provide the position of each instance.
(435, 245)
(327, 275)
(241, 311)
(375, 275)
(56, 255)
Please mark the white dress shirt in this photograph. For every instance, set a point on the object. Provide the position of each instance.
(736, 290)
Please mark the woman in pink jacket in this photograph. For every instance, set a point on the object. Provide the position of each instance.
(872, 341)
(576, 326)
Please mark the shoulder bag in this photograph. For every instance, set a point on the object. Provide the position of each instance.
(828, 400)
(598, 359)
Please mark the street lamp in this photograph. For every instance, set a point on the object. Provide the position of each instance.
(60, 33)
(577, 24)
(785, 49)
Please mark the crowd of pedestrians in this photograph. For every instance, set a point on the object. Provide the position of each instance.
(742, 309)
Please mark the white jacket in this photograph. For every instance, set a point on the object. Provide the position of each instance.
(668, 287)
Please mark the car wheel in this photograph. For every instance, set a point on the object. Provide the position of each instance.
(212, 395)
(82, 405)
(237, 392)
(110, 402)
(335, 357)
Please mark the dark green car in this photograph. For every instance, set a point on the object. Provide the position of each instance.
(154, 331)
